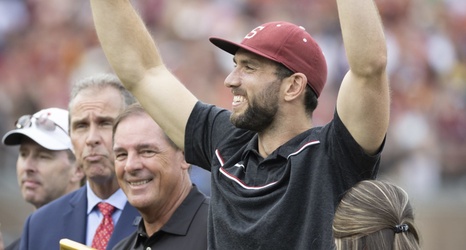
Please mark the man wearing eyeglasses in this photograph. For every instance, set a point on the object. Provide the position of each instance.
(46, 165)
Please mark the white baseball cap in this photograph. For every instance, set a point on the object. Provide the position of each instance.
(48, 127)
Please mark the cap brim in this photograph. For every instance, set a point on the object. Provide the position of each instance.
(47, 141)
(225, 45)
(12, 138)
(232, 47)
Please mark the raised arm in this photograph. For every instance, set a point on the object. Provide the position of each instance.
(133, 56)
(363, 101)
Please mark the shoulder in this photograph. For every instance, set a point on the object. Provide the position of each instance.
(203, 111)
(195, 201)
(129, 211)
(126, 243)
(201, 201)
(334, 130)
(57, 206)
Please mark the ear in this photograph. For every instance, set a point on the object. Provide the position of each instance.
(184, 164)
(78, 174)
(295, 86)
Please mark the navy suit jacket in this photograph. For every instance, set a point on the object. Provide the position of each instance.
(66, 217)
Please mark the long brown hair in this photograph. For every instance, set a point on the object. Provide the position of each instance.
(370, 216)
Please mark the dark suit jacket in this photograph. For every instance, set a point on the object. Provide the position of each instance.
(66, 217)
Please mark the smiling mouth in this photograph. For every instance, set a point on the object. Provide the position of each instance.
(238, 99)
(138, 183)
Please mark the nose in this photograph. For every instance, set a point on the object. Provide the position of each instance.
(133, 162)
(28, 164)
(233, 79)
(93, 136)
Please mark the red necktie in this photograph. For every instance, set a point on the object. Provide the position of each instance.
(105, 229)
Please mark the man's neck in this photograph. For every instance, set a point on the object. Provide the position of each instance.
(104, 190)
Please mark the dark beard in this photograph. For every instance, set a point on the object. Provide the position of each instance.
(255, 118)
(260, 112)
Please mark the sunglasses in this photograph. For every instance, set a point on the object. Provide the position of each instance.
(42, 122)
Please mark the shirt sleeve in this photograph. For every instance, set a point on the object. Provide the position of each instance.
(347, 154)
(206, 128)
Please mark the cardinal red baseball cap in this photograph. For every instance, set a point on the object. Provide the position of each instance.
(285, 43)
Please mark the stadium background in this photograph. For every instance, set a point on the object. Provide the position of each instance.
(46, 45)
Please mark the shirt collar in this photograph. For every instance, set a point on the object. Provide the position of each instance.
(284, 150)
(179, 222)
(182, 218)
(117, 199)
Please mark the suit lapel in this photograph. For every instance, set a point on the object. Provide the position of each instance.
(127, 224)
(75, 217)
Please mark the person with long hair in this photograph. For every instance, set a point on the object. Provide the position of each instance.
(375, 215)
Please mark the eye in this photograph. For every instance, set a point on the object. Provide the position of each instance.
(80, 125)
(45, 156)
(106, 123)
(248, 67)
(120, 156)
(148, 153)
(23, 154)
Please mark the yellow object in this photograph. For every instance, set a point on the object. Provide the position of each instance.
(67, 244)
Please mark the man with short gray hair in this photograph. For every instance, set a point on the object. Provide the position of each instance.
(98, 214)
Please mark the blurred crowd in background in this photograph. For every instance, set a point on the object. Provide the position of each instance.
(47, 45)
